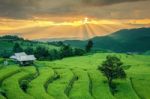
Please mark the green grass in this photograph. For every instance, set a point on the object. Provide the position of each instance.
(1, 61)
(2, 97)
(8, 71)
(94, 60)
(134, 64)
(12, 84)
(100, 89)
(125, 90)
(60, 87)
(91, 84)
(81, 87)
(37, 86)
(5, 73)
(141, 85)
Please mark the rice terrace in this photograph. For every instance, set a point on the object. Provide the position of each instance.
(75, 78)
(74, 49)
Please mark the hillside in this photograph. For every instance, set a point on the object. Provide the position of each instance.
(7, 43)
(127, 40)
(70, 79)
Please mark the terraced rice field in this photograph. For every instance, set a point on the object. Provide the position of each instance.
(70, 82)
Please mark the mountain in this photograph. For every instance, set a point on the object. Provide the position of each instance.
(126, 40)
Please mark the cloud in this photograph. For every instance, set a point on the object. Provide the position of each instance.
(106, 2)
(24, 9)
(17, 8)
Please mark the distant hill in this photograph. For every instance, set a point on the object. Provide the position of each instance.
(56, 39)
(127, 40)
(7, 42)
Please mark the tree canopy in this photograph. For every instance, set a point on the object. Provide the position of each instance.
(112, 69)
(89, 46)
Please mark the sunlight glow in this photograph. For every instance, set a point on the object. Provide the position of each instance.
(12, 24)
(85, 21)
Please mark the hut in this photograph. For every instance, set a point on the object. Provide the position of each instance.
(23, 59)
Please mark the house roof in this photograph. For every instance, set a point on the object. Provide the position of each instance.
(26, 58)
(23, 57)
(20, 54)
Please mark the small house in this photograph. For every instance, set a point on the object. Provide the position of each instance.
(23, 59)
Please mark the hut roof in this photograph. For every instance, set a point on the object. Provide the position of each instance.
(23, 57)
(20, 54)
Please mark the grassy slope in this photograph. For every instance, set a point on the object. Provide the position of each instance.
(37, 86)
(12, 84)
(81, 89)
(135, 65)
(100, 89)
(90, 81)
(61, 83)
(141, 85)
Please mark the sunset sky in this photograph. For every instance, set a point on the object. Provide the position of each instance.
(77, 19)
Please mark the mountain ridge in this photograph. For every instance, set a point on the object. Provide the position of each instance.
(126, 40)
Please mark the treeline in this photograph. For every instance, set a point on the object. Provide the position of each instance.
(44, 53)
(11, 38)
(41, 50)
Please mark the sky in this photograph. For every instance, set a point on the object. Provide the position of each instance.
(76, 19)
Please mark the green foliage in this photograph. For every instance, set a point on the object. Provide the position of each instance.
(89, 46)
(2, 60)
(79, 52)
(24, 85)
(5, 53)
(17, 48)
(147, 52)
(112, 69)
(41, 53)
(10, 38)
(66, 51)
(59, 43)
(126, 40)
(29, 50)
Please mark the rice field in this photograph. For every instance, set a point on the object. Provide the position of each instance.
(75, 78)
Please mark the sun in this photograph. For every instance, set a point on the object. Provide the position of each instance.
(85, 21)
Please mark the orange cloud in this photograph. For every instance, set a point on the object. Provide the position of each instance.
(79, 28)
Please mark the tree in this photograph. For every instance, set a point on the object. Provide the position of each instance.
(53, 54)
(78, 51)
(6, 53)
(41, 52)
(66, 51)
(29, 50)
(17, 48)
(112, 69)
(89, 46)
